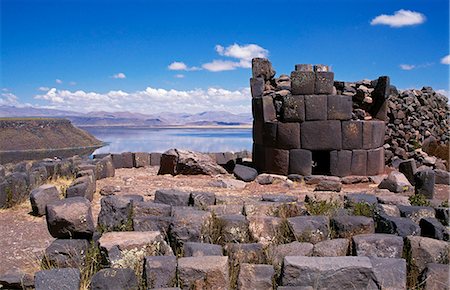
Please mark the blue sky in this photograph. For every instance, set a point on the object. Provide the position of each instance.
(117, 55)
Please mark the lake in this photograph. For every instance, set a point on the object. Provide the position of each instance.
(126, 139)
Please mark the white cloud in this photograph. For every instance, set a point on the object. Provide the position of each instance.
(72, 83)
(445, 59)
(179, 65)
(244, 53)
(407, 66)
(443, 92)
(150, 100)
(399, 19)
(43, 89)
(119, 76)
(179, 76)
(58, 81)
(8, 99)
(220, 65)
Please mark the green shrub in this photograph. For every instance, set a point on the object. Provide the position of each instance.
(419, 200)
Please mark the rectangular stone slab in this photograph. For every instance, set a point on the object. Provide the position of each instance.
(340, 162)
(276, 161)
(359, 162)
(302, 82)
(321, 135)
(324, 83)
(293, 109)
(263, 109)
(300, 162)
(352, 135)
(375, 161)
(315, 107)
(339, 107)
(288, 135)
(257, 87)
(373, 134)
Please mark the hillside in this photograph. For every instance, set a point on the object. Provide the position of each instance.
(41, 133)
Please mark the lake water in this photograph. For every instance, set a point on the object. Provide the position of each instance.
(159, 140)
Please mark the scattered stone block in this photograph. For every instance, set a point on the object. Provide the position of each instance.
(141, 159)
(389, 209)
(15, 189)
(245, 173)
(279, 252)
(279, 198)
(442, 176)
(300, 162)
(117, 160)
(110, 278)
(340, 108)
(302, 82)
(278, 209)
(70, 218)
(293, 109)
(127, 160)
(396, 182)
(66, 253)
(361, 198)
(252, 253)
(153, 223)
(160, 271)
(346, 226)
(189, 225)
(172, 197)
(41, 196)
(226, 209)
(311, 229)
(316, 179)
(155, 158)
(115, 213)
(329, 272)
(324, 83)
(353, 179)
(191, 249)
(175, 161)
(234, 229)
(279, 161)
(328, 185)
(378, 245)
(436, 277)
(82, 187)
(315, 107)
(253, 276)
(393, 199)
(228, 183)
(432, 228)
(422, 251)
(203, 199)
(416, 213)
(442, 215)
(331, 248)
(321, 135)
(105, 168)
(397, 225)
(341, 162)
(16, 279)
(203, 272)
(424, 183)
(409, 169)
(390, 273)
(56, 279)
(143, 209)
(375, 161)
(351, 135)
(264, 229)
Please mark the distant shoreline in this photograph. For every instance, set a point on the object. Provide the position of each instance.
(246, 126)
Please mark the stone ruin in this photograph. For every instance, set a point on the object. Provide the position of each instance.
(303, 126)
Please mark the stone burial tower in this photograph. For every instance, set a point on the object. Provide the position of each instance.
(302, 126)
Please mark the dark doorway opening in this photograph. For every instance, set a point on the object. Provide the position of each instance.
(321, 162)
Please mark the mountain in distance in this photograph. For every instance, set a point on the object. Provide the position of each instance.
(101, 118)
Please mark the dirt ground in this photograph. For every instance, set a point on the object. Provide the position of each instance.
(23, 237)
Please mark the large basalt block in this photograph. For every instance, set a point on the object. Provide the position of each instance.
(83, 186)
(300, 162)
(276, 161)
(378, 245)
(104, 168)
(263, 109)
(128, 159)
(311, 229)
(41, 196)
(288, 135)
(293, 109)
(257, 87)
(339, 107)
(262, 68)
(141, 159)
(160, 271)
(373, 134)
(321, 135)
(422, 251)
(359, 162)
(315, 107)
(379, 96)
(66, 253)
(208, 272)
(269, 134)
(390, 272)
(117, 160)
(259, 157)
(375, 161)
(302, 82)
(352, 135)
(323, 84)
(341, 162)
(258, 132)
(253, 276)
(110, 278)
(55, 279)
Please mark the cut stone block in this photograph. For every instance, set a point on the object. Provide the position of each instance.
(262, 68)
(264, 109)
(115, 213)
(66, 253)
(279, 198)
(264, 229)
(331, 248)
(155, 159)
(340, 162)
(278, 209)
(288, 135)
(234, 229)
(276, 161)
(315, 107)
(378, 245)
(153, 223)
(257, 87)
(82, 187)
(422, 251)
(311, 229)
(347, 226)
(436, 277)
(142, 159)
(253, 276)
(172, 197)
(279, 252)
(245, 173)
(203, 272)
(390, 273)
(202, 199)
(188, 225)
(375, 161)
(409, 169)
(329, 272)
(424, 183)
(226, 209)
(143, 209)
(373, 134)
(269, 134)
(160, 271)
(300, 162)
(41, 196)
(191, 249)
(56, 279)
(397, 225)
(104, 168)
(117, 160)
(110, 278)
(304, 67)
(395, 182)
(432, 228)
(321, 135)
(302, 82)
(293, 109)
(324, 83)
(359, 162)
(127, 160)
(252, 253)
(340, 108)
(352, 135)
(416, 213)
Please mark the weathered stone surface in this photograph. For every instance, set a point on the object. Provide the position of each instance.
(16, 279)
(442, 176)
(83, 187)
(311, 229)
(442, 214)
(202, 199)
(153, 223)
(422, 251)
(155, 158)
(393, 199)
(389, 209)
(70, 218)
(424, 183)
(205, 272)
(278, 161)
(142, 209)
(172, 197)
(257, 87)
(188, 225)
(263, 109)
(436, 277)
(105, 168)
(379, 95)
(114, 245)
(300, 161)
(37, 177)
(321, 135)
(373, 134)
(252, 253)
(115, 213)
(262, 68)
(264, 229)
(279, 198)
(432, 228)
(416, 213)
(117, 160)
(141, 159)
(253, 276)
(228, 183)
(390, 273)
(409, 169)
(245, 173)
(353, 179)
(66, 253)
(293, 109)
(339, 108)
(160, 271)
(114, 279)
(41, 196)
(315, 107)
(192, 249)
(278, 209)
(329, 272)
(397, 225)
(346, 226)
(375, 161)
(324, 82)
(359, 162)
(234, 228)
(127, 160)
(328, 185)
(56, 279)
(340, 162)
(226, 209)
(361, 198)
(279, 252)
(14, 189)
(331, 248)
(378, 245)
(351, 135)
(396, 182)
(269, 134)
(288, 135)
(302, 82)
(175, 161)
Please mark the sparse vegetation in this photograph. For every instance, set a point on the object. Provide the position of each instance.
(61, 183)
(419, 200)
(321, 207)
(363, 209)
